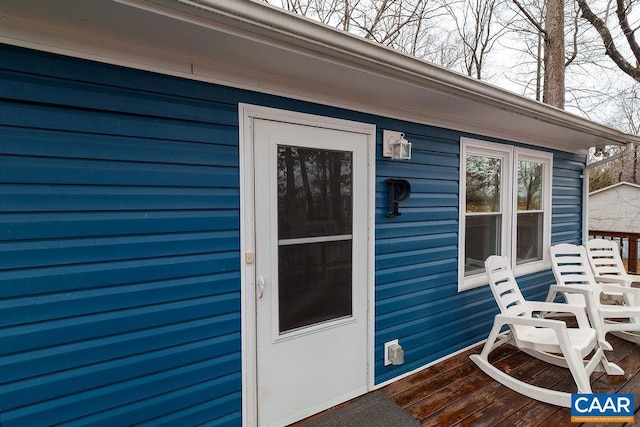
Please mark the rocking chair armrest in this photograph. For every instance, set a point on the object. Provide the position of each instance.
(613, 280)
(578, 311)
(634, 278)
(617, 289)
(557, 325)
(618, 311)
(591, 294)
(625, 282)
(589, 291)
(585, 290)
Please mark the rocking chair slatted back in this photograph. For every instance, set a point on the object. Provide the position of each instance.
(506, 291)
(604, 258)
(504, 287)
(570, 267)
(606, 263)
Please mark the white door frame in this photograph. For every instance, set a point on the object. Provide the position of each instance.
(247, 113)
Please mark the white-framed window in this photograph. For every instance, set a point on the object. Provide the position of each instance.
(505, 208)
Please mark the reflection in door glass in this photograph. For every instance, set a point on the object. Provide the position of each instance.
(314, 192)
(314, 283)
(314, 236)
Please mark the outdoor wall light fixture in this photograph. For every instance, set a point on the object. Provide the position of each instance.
(395, 146)
(601, 151)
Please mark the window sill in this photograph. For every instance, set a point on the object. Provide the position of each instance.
(477, 280)
(531, 267)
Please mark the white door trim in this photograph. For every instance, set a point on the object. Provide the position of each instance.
(247, 113)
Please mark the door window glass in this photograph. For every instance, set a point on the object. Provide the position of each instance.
(314, 192)
(315, 214)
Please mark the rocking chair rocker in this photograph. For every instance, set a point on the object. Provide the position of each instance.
(546, 339)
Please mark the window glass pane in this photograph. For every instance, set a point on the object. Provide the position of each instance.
(483, 179)
(482, 239)
(314, 283)
(529, 237)
(530, 185)
(314, 192)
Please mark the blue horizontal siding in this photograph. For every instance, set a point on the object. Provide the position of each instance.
(119, 245)
(101, 349)
(416, 253)
(67, 330)
(61, 384)
(112, 173)
(401, 258)
(101, 249)
(201, 414)
(417, 298)
(32, 225)
(48, 307)
(65, 145)
(567, 198)
(57, 118)
(119, 249)
(130, 392)
(89, 96)
(51, 198)
(406, 229)
(87, 276)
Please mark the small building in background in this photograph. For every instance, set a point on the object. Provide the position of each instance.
(613, 214)
(615, 208)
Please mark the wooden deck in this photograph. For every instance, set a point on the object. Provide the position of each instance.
(457, 393)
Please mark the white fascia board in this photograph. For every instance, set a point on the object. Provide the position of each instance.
(208, 38)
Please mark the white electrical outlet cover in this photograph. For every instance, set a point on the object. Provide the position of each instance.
(386, 351)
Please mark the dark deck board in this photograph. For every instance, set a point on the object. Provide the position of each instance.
(455, 392)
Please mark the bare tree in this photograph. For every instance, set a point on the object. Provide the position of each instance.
(600, 178)
(464, 34)
(336, 13)
(525, 43)
(411, 26)
(548, 22)
(554, 60)
(625, 115)
(475, 25)
(399, 24)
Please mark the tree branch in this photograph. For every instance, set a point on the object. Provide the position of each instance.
(574, 41)
(626, 29)
(609, 45)
(530, 18)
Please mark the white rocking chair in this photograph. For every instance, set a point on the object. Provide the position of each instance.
(579, 286)
(606, 263)
(546, 339)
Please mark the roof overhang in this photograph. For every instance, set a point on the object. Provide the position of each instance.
(254, 46)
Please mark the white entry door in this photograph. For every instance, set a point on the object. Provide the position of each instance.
(311, 212)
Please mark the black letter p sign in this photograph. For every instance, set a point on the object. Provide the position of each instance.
(398, 191)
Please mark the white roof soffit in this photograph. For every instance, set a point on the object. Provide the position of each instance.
(254, 46)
